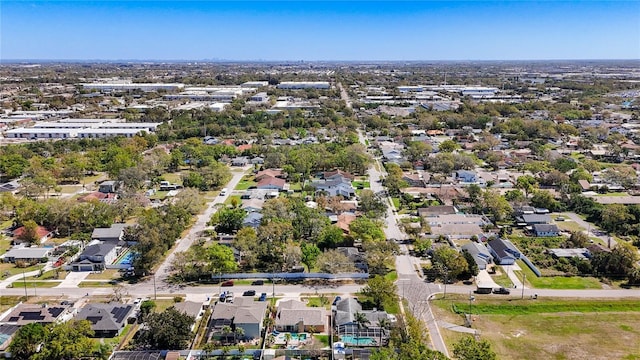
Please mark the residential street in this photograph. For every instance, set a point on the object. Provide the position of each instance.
(201, 223)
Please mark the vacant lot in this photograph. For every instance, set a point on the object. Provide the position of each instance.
(557, 282)
(551, 329)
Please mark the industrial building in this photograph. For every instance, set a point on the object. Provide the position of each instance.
(297, 85)
(128, 86)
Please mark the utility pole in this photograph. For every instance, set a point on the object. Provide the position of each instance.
(155, 291)
(24, 280)
(524, 279)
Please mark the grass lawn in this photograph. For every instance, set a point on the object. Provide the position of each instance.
(230, 199)
(11, 269)
(174, 178)
(393, 276)
(551, 329)
(163, 304)
(557, 282)
(317, 301)
(159, 195)
(363, 184)
(295, 186)
(50, 275)
(36, 284)
(5, 244)
(86, 284)
(569, 225)
(246, 183)
(324, 339)
(501, 278)
(107, 274)
(396, 202)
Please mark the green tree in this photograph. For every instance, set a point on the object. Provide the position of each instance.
(372, 205)
(146, 307)
(527, 183)
(451, 261)
(30, 232)
(544, 199)
(168, 330)
(228, 220)
(330, 237)
(614, 217)
(448, 146)
(310, 253)
(381, 290)
(364, 229)
(26, 341)
(334, 262)
(470, 349)
(67, 341)
(472, 267)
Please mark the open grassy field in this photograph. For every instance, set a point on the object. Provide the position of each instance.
(107, 274)
(569, 225)
(245, 183)
(557, 282)
(551, 329)
(501, 278)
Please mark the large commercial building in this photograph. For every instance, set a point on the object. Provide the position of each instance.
(297, 85)
(128, 86)
(81, 128)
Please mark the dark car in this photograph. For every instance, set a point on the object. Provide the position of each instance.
(263, 297)
(249, 293)
(258, 282)
(335, 301)
(502, 291)
(227, 283)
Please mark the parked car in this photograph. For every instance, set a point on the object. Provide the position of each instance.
(223, 296)
(263, 297)
(249, 293)
(229, 298)
(335, 301)
(502, 291)
(227, 283)
(257, 282)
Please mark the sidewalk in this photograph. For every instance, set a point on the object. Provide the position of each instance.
(517, 283)
(458, 328)
(11, 279)
(73, 279)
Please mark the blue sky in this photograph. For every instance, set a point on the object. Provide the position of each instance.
(328, 30)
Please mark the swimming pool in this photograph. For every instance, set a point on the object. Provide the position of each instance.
(358, 340)
(125, 259)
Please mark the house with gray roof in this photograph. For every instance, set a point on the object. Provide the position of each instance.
(503, 251)
(27, 254)
(295, 316)
(107, 320)
(546, 230)
(480, 253)
(344, 320)
(95, 257)
(243, 313)
(112, 234)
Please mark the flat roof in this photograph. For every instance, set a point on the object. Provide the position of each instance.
(40, 131)
(109, 131)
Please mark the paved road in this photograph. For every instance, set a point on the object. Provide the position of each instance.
(183, 244)
(410, 286)
(578, 220)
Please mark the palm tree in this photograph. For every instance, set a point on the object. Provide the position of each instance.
(239, 333)
(226, 330)
(287, 338)
(268, 322)
(361, 320)
(208, 349)
(383, 324)
(271, 339)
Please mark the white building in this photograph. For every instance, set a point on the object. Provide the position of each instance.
(103, 133)
(128, 86)
(260, 97)
(255, 84)
(296, 85)
(35, 133)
